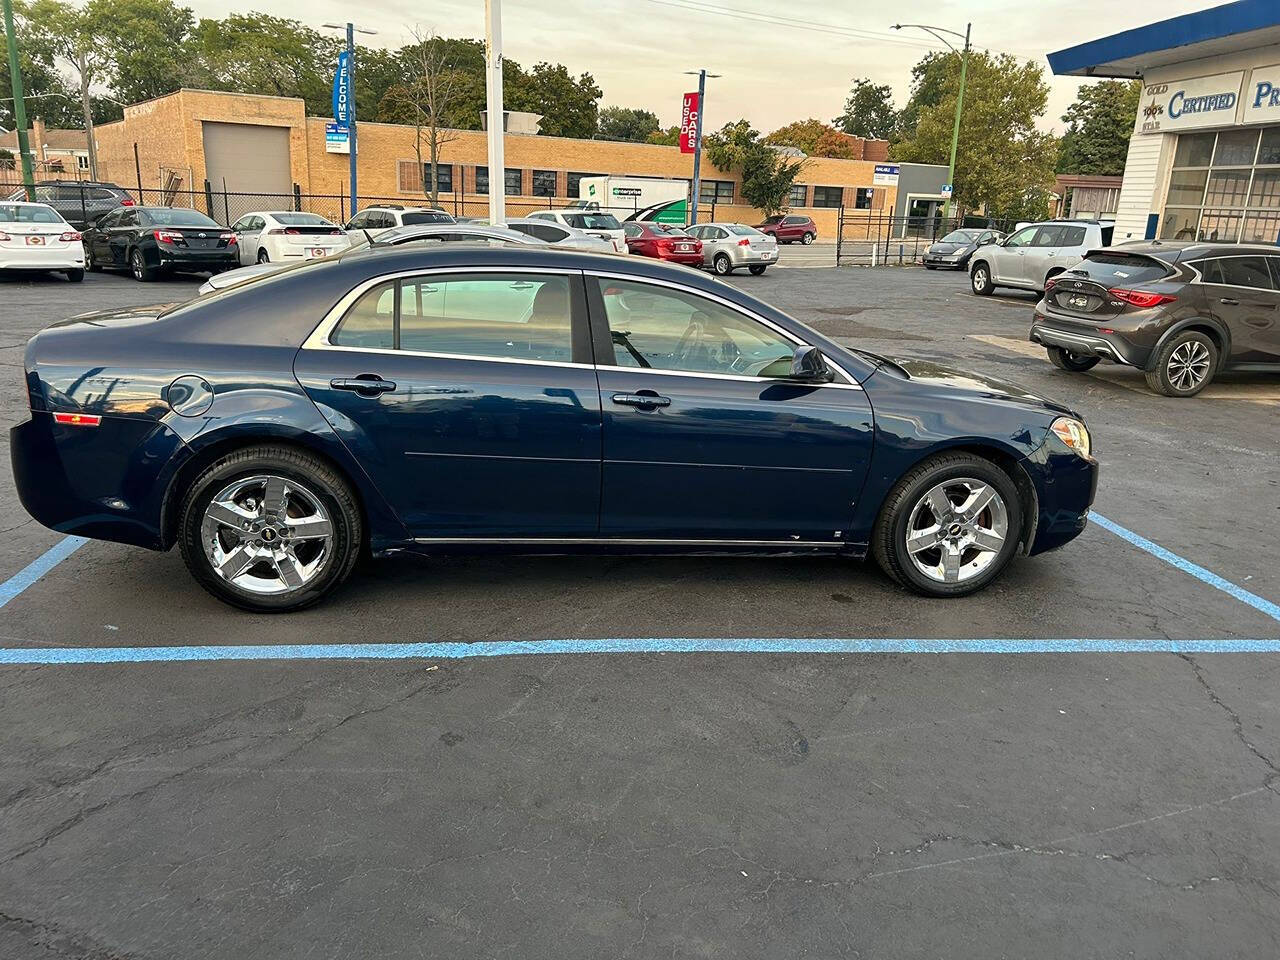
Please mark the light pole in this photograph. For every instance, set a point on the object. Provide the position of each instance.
(697, 140)
(19, 108)
(352, 30)
(964, 69)
(495, 117)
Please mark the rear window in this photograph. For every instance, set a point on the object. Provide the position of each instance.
(742, 230)
(18, 213)
(1117, 268)
(409, 219)
(176, 218)
(303, 219)
(593, 221)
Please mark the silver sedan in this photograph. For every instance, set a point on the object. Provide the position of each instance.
(728, 246)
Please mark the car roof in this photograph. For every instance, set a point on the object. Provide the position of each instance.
(1175, 251)
(25, 203)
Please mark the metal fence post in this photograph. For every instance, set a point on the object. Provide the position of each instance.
(839, 232)
(297, 198)
(208, 198)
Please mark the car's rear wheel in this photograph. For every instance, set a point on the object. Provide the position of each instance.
(1183, 366)
(980, 279)
(756, 269)
(722, 264)
(263, 256)
(949, 527)
(807, 238)
(75, 275)
(1066, 360)
(270, 529)
(138, 267)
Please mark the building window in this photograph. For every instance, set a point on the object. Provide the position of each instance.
(828, 196)
(575, 179)
(511, 180)
(862, 200)
(715, 191)
(544, 183)
(1225, 187)
(82, 162)
(444, 176)
(799, 195)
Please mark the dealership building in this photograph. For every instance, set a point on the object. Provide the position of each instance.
(1204, 158)
(193, 142)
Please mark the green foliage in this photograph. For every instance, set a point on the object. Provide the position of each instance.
(767, 176)
(569, 106)
(627, 123)
(1002, 159)
(815, 138)
(1099, 124)
(142, 44)
(868, 111)
(669, 137)
(49, 95)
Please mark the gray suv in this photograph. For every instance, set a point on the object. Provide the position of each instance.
(1033, 254)
(80, 202)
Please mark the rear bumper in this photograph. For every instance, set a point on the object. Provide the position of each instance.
(1065, 485)
(688, 259)
(200, 259)
(747, 256)
(106, 482)
(1088, 341)
(43, 258)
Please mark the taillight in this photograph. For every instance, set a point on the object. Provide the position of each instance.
(1050, 284)
(69, 236)
(77, 419)
(126, 202)
(291, 232)
(1140, 298)
(335, 233)
(665, 242)
(167, 236)
(744, 242)
(228, 238)
(4, 238)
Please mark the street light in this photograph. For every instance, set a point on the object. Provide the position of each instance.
(697, 139)
(964, 68)
(352, 30)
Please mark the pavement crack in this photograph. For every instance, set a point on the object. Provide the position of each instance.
(1235, 717)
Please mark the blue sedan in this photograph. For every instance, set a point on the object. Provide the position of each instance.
(443, 397)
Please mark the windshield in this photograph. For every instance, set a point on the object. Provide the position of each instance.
(20, 213)
(743, 230)
(593, 221)
(961, 236)
(303, 219)
(163, 217)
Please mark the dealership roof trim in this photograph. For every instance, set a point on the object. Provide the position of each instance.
(1227, 28)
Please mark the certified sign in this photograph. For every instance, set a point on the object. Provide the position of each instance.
(886, 175)
(1189, 104)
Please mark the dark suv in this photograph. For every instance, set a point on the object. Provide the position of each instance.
(80, 202)
(1181, 312)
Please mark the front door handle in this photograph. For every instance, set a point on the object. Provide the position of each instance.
(641, 400)
(367, 384)
(1229, 301)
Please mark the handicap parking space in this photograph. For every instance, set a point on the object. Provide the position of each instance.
(792, 797)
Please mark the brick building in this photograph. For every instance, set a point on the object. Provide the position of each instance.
(264, 146)
(55, 152)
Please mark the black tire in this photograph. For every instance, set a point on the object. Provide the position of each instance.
(807, 238)
(75, 275)
(888, 541)
(980, 279)
(930, 266)
(89, 262)
(1066, 360)
(756, 269)
(138, 267)
(1190, 351)
(722, 265)
(263, 256)
(318, 478)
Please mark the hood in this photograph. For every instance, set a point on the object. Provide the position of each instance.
(963, 383)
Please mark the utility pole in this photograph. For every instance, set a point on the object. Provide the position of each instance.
(697, 145)
(493, 111)
(351, 104)
(19, 107)
(86, 105)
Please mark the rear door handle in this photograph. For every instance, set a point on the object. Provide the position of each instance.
(1229, 301)
(641, 400)
(367, 384)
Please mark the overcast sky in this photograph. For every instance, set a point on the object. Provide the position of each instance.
(773, 72)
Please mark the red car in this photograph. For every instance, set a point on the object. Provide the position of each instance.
(662, 241)
(790, 228)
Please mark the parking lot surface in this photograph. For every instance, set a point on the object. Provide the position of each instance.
(669, 804)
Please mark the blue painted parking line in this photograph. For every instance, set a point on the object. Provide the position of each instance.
(517, 648)
(38, 567)
(1200, 573)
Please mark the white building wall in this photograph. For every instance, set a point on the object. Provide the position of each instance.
(1142, 191)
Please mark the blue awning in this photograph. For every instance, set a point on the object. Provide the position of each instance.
(1228, 28)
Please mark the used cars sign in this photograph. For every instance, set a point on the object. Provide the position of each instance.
(1188, 104)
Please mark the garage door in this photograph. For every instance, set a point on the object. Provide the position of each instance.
(253, 162)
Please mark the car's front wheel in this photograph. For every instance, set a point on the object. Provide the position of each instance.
(722, 264)
(1075, 362)
(980, 280)
(89, 262)
(270, 529)
(1183, 366)
(807, 238)
(949, 527)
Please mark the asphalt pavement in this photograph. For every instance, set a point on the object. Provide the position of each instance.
(665, 804)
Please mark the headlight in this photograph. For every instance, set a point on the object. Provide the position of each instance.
(1074, 434)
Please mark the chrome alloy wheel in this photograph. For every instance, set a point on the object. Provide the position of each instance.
(957, 530)
(1188, 365)
(266, 534)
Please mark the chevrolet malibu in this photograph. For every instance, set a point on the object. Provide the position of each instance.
(451, 397)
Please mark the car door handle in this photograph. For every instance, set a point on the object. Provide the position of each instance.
(641, 400)
(1229, 301)
(367, 384)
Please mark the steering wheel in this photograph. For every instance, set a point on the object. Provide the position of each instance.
(688, 340)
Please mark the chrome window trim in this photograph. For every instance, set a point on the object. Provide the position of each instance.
(729, 304)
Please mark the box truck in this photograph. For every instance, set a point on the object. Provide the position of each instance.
(624, 196)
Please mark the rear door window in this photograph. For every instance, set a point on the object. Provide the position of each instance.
(1245, 272)
(1072, 237)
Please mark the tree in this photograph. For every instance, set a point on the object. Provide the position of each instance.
(1099, 124)
(48, 94)
(1002, 158)
(569, 107)
(144, 45)
(669, 137)
(627, 123)
(427, 95)
(767, 175)
(868, 111)
(815, 138)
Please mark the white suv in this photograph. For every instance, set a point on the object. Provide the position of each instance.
(1032, 254)
(599, 224)
(375, 220)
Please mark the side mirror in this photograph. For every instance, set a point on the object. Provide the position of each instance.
(808, 365)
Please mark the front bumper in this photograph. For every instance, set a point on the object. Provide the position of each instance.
(1084, 339)
(1065, 485)
(934, 260)
(106, 482)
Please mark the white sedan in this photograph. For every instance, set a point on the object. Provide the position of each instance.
(33, 236)
(285, 236)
